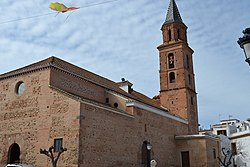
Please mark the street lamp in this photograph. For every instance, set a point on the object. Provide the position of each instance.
(244, 43)
(149, 148)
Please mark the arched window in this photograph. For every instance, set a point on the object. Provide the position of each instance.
(187, 61)
(189, 79)
(172, 77)
(169, 35)
(144, 153)
(170, 60)
(192, 100)
(178, 34)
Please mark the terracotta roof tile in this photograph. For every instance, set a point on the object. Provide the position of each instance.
(92, 77)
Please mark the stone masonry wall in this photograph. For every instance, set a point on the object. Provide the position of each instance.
(109, 139)
(94, 136)
(32, 120)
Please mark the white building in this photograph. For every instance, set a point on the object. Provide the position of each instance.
(239, 135)
(241, 139)
(226, 127)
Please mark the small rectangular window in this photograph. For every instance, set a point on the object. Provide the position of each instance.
(107, 100)
(234, 148)
(214, 153)
(58, 144)
(222, 132)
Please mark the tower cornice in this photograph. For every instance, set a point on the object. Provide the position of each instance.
(172, 45)
(169, 24)
(180, 88)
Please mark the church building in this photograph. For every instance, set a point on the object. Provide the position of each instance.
(103, 123)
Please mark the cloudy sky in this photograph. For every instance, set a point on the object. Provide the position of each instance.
(119, 39)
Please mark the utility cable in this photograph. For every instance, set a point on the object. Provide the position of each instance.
(46, 14)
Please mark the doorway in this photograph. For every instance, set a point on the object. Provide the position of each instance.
(185, 161)
(14, 154)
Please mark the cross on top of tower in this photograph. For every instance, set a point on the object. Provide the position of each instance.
(173, 14)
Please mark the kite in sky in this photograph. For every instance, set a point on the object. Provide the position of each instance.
(59, 7)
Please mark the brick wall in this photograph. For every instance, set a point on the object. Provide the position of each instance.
(35, 118)
(110, 139)
(96, 134)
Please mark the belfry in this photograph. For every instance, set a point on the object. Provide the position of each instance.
(177, 82)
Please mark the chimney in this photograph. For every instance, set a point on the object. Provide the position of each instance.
(125, 85)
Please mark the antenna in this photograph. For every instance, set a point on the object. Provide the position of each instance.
(230, 116)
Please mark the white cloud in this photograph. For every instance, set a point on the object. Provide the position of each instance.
(119, 39)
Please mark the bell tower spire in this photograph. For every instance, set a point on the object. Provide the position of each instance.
(177, 82)
(173, 14)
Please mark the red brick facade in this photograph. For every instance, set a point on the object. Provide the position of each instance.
(177, 83)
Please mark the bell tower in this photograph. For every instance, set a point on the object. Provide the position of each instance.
(177, 82)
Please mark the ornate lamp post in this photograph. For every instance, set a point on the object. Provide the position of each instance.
(244, 43)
